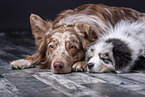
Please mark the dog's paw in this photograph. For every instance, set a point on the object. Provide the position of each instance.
(20, 64)
(79, 66)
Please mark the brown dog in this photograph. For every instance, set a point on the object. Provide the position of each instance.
(63, 42)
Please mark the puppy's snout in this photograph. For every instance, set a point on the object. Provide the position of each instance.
(90, 65)
(58, 66)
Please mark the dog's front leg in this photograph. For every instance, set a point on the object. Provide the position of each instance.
(79, 66)
(23, 63)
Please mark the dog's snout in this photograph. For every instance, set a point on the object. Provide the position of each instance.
(90, 65)
(58, 66)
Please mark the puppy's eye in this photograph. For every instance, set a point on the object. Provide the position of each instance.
(105, 57)
(107, 54)
(90, 57)
(92, 50)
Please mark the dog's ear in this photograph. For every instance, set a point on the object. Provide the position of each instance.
(84, 30)
(39, 27)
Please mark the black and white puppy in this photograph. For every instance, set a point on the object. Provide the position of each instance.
(118, 49)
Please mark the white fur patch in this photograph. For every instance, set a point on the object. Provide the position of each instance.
(20, 64)
(132, 34)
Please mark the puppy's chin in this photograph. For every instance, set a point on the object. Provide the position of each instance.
(104, 69)
(92, 70)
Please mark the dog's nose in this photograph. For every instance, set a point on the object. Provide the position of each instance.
(58, 66)
(90, 65)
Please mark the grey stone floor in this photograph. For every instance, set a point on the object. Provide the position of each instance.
(35, 82)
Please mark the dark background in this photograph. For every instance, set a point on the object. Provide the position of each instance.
(14, 14)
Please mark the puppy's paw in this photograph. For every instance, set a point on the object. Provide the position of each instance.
(79, 66)
(20, 64)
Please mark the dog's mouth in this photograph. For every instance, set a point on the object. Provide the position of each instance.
(60, 71)
(60, 67)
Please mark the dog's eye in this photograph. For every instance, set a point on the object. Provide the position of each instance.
(72, 47)
(51, 46)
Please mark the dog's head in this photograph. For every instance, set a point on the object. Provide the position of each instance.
(99, 57)
(64, 47)
(59, 47)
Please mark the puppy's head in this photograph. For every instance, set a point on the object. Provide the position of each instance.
(99, 57)
(59, 47)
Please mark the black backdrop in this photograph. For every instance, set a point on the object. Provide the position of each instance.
(14, 14)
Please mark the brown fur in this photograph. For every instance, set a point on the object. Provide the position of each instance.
(44, 30)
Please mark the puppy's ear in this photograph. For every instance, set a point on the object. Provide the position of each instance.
(39, 27)
(122, 58)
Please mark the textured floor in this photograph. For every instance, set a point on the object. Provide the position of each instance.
(35, 82)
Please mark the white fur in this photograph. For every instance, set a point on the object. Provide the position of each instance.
(133, 34)
(20, 64)
(130, 34)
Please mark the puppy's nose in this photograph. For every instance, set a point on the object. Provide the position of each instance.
(90, 65)
(58, 66)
